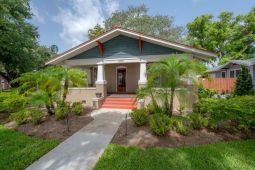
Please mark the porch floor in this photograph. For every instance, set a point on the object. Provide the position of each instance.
(122, 95)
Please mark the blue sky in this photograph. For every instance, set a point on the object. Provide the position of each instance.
(65, 23)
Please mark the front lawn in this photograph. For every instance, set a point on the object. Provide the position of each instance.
(17, 151)
(225, 155)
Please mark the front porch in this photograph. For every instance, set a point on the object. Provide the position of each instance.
(108, 78)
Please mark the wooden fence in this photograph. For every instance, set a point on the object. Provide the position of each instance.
(221, 85)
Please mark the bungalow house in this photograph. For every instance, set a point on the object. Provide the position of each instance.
(116, 63)
(223, 77)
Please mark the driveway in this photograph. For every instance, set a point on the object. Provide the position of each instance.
(82, 150)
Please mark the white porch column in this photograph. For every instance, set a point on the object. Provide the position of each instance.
(100, 74)
(143, 75)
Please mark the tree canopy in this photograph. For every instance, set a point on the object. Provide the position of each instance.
(138, 19)
(19, 50)
(232, 37)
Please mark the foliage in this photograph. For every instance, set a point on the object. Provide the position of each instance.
(205, 93)
(44, 87)
(231, 37)
(21, 117)
(11, 101)
(220, 156)
(160, 123)
(244, 84)
(180, 125)
(61, 111)
(197, 120)
(18, 151)
(138, 19)
(96, 31)
(36, 116)
(19, 50)
(237, 113)
(139, 116)
(172, 76)
(77, 108)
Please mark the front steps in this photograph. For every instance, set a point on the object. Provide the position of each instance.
(119, 102)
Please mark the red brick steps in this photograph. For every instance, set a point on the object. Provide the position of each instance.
(119, 102)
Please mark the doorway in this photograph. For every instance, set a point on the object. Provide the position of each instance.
(121, 80)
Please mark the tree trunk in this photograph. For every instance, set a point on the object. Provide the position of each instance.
(65, 90)
(49, 110)
(166, 102)
(172, 101)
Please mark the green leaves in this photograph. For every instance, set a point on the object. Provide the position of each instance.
(244, 84)
(231, 37)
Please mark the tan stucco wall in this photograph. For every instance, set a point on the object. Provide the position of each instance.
(84, 95)
(132, 71)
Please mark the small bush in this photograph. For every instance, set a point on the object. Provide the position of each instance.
(180, 125)
(11, 101)
(21, 117)
(61, 111)
(237, 113)
(139, 116)
(77, 108)
(198, 121)
(160, 124)
(36, 116)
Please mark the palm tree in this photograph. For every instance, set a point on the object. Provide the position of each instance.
(70, 77)
(173, 75)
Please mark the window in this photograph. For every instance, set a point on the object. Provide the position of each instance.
(223, 74)
(232, 73)
(237, 72)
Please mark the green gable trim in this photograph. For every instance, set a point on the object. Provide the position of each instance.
(125, 47)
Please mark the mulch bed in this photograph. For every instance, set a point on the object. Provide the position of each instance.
(52, 129)
(143, 137)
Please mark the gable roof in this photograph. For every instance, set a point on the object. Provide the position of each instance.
(248, 63)
(133, 34)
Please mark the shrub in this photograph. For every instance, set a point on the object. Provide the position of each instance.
(61, 111)
(20, 117)
(77, 108)
(180, 125)
(139, 116)
(11, 101)
(160, 123)
(237, 112)
(153, 109)
(36, 116)
(205, 93)
(197, 120)
(244, 84)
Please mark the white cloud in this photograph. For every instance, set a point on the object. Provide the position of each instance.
(36, 14)
(80, 16)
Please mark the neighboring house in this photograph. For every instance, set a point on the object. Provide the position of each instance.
(4, 83)
(116, 63)
(223, 77)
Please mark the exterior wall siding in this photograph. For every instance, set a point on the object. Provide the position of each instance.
(125, 47)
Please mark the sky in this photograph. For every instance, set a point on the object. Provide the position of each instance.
(65, 23)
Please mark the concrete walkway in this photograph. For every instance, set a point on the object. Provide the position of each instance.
(82, 150)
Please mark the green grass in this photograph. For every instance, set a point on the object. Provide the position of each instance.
(17, 151)
(226, 155)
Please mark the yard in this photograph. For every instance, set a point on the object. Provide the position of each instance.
(225, 155)
(17, 151)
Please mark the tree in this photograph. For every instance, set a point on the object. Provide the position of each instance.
(172, 75)
(244, 84)
(229, 36)
(19, 50)
(138, 19)
(96, 31)
(50, 85)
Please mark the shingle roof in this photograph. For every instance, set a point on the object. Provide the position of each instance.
(248, 62)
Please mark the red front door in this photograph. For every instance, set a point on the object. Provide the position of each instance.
(121, 80)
